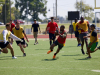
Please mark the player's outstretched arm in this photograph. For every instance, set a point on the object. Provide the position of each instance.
(26, 37)
(15, 37)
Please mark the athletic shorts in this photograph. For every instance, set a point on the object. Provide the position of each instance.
(59, 45)
(76, 34)
(52, 36)
(2, 45)
(93, 46)
(82, 35)
(35, 34)
(23, 43)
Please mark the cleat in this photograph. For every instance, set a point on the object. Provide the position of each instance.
(14, 57)
(79, 44)
(24, 54)
(54, 56)
(82, 51)
(34, 43)
(98, 47)
(49, 51)
(88, 57)
(37, 43)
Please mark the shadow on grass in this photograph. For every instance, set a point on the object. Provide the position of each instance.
(84, 59)
(5, 58)
(70, 46)
(72, 55)
(50, 59)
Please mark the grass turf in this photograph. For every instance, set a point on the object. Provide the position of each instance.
(69, 61)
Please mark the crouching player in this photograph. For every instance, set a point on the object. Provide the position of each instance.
(4, 43)
(93, 41)
(60, 41)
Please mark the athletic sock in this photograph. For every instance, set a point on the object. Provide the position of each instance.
(50, 43)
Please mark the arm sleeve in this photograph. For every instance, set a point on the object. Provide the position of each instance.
(94, 34)
(4, 35)
(23, 31)
(15, 37)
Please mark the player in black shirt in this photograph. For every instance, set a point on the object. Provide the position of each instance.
(35, 27)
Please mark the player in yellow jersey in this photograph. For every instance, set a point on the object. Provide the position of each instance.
(19, 32)
(76, 32)
(93, 41)
(83, 26)
(4, 43)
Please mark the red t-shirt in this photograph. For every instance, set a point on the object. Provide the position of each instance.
(62, 40)
(52, 27)
(12, 26)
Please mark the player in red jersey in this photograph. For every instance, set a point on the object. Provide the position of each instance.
(12, 26)
(52, 28)
(60, 41)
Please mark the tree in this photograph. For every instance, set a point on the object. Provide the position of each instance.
(36, 7)
(87, 11)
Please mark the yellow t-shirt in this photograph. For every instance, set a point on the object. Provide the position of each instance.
(74, 26)
(83, 26)
(1, 35)
(18, 32)
(93, 34)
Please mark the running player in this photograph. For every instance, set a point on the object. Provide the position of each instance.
(60, 41)
(4, 43)
(83, 26)
(52, 28)
(19, 32)
(76, 32)
(93, 41)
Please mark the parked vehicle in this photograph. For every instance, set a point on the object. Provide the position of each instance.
(1, 23)
(20, 21)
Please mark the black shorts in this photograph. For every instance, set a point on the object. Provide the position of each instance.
(76, 34)
(52, 36)
(23, 43)
(60, 46)
(2, 45)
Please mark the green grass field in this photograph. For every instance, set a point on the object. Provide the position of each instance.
(69, 61)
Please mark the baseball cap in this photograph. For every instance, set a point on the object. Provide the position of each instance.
(34, 19)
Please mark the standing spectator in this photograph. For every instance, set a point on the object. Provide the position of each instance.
(83, 26)
(52, 28)
(35, 27)
(76, 32)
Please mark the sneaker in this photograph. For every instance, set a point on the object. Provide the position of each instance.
(79, 44)
(88, 57)
(14, 57)
(34, 43)
(49, 51)
(37, 43)
(98, 47)
(82, 51)
(24, 54)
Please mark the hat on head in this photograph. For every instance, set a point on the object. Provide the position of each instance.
(34, 19)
